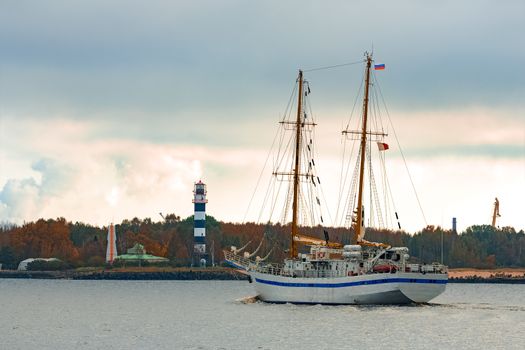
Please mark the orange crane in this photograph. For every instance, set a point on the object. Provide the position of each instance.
(495, 214)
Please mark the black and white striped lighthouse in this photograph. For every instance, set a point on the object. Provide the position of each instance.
(199, 228)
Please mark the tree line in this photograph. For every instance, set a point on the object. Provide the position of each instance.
(80, 244)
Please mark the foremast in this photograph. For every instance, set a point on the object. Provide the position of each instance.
(297, 164)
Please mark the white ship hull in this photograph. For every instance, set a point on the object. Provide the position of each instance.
(387, 288)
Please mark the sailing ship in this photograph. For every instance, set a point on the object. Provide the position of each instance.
(332, 273)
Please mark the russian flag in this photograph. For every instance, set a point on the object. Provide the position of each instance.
(379, 66)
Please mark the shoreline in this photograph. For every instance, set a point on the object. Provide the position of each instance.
(181, 274)
(498, 275)
(462, 275)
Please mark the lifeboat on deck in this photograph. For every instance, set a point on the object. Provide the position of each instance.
(384, 268)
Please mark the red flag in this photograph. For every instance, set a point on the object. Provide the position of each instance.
(382, 146)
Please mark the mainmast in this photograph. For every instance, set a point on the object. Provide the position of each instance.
(359, 224)
(297, 164)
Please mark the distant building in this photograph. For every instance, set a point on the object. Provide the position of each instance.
(23, 264)
(138, 254)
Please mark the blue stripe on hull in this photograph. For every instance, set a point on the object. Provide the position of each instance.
(351, 284)
(235, 265)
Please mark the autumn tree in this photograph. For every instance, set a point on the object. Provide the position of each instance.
(44, 239)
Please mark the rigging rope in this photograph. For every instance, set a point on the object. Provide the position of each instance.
(401, 151)
(271, 183)
(352, 191)
(389, 188)
(314, 169)
(260, 176)
(374, 195)
(334, 66)
(342, 179)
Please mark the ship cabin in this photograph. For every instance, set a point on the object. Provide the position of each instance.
(354, 260)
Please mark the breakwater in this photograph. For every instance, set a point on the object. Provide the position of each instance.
(496, 280)
(182, 275)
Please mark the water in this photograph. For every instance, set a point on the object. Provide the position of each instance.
(62, 314)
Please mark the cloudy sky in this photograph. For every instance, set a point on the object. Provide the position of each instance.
(112, 109)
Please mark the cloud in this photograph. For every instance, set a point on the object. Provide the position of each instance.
(19, 200)
(55, 177)
(92, 172)
(466, 132)
(100, 188)
(116, 108)
(101, 179)
(25, 198)
(208, 56)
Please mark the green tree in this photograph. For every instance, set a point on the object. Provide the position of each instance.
(7, 258)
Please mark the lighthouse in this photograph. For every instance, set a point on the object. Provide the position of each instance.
(111, 250)
(199, 228)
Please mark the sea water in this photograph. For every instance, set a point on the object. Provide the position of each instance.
(67, 314)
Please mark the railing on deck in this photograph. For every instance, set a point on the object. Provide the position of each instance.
(320, 273)
(272, 269)
(277, 269)
(238, 260)
(434, 268)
